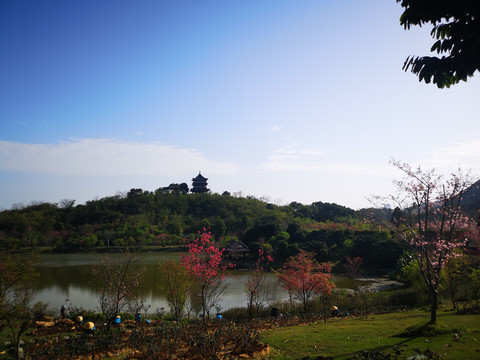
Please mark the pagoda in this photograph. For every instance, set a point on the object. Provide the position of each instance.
(199, 184)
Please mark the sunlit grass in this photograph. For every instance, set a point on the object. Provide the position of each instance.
(458, 336)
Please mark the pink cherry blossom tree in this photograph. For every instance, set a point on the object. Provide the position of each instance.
(203, 262)
(433, 227)
(305, 278)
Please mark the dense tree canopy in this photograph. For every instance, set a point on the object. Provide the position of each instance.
(456, 28)
(164, 218)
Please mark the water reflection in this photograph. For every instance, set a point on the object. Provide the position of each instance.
(70, 277)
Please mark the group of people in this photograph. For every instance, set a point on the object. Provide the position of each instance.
(88, 327)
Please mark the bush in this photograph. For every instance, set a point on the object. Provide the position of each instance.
(407, 297)
(236, 314)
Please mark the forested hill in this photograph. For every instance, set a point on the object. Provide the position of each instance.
(165, 217)
(471, 201)
(152, 220)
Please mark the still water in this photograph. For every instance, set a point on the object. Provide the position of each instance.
(69, 276)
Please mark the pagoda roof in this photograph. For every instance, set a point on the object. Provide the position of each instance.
(199, 178)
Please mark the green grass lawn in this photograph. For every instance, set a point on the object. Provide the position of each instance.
(457, 336)
(454, 337)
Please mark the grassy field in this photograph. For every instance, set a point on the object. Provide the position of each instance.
(454, 337)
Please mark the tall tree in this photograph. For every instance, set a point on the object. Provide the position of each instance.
(305, 278)
(203, 263)
(456, 28)
(118, 279)
(435, 229)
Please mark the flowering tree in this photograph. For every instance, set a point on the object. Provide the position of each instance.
(118, 279)
(305, 278)
(203, 263)
(434, 227)
(176, 281)
(255, 284)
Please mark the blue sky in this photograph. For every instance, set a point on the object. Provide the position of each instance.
(283, 100)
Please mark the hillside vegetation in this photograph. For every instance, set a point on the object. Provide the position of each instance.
(164, 218)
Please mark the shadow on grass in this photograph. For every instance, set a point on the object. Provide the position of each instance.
(386, 352)
(401, 348)
(426, 330)
(392, 352)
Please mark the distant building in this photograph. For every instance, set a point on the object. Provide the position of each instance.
(237, 250)
(199, 184)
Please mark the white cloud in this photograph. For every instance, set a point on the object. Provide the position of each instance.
(325, 167)
(292, 158)
(107, 157)
(465, 154)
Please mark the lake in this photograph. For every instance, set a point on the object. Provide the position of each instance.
(69, 276)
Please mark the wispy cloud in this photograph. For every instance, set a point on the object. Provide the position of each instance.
(290, 155)
(107, 157)
(465, 154)
(293, 158)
